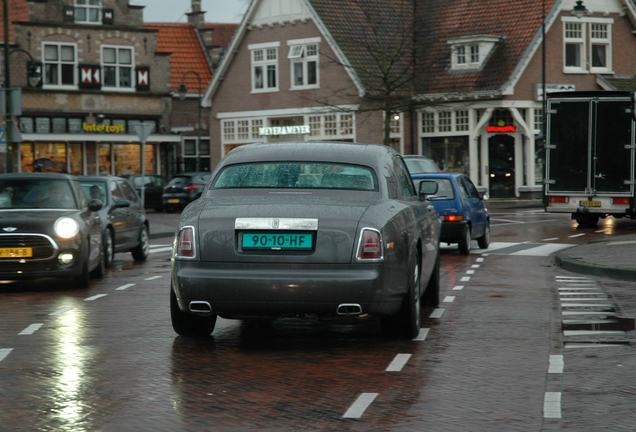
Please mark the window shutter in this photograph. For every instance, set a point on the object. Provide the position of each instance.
(90, 76)
(143, 78)
(69, 13)
(108, 16)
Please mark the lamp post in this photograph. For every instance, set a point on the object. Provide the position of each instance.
(183, 91)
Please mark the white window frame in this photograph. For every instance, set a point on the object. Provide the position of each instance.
(59, 62)
(197, 150)
(396, 130)
(577, 41)
(261, 57)
(89, 7)
(460, 55)
(601, 41)
(118, 68)
(302, 52)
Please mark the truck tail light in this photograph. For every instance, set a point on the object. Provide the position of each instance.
(557, 199)
(185, 242)
(370, 244)
(453, 218)
(620, 200)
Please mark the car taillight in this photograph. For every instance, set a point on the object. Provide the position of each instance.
(620, 200)
(185, 242)
(370, 244)
(191, 187)
(453, 218)
(556, 199)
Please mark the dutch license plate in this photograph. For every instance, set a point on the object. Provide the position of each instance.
(590, 203)
(173, 200)
(277, 241)
(16, 252)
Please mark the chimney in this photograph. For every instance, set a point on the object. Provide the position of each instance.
(196, 17)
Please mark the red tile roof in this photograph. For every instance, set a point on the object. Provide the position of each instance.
(18, 11)
(186, 53)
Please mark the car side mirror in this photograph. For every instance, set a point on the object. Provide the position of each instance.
(95, 205)
(122, 204)
(427, 187)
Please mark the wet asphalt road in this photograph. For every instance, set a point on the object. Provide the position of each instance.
(495, 355)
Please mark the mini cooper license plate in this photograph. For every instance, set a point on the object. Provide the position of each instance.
(277, 241)
(173, 200)
(16, 252)
(590, 203)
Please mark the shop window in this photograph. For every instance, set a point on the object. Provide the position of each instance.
(428, 122)
(76, 158)
(52, 151)
(346, 124)
(117, 67)
(314, 125)
(445, 121)
(243, 130)
(304, 65)
(264, 67)
(88, 11)
(461, 121)
(104, 159)
(256, 128)
(229, 131)
(60, 64)
(451, 153)
(26, 157)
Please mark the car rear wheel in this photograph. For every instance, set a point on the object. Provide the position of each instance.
(430, 297)
(406, 323)
(484, 241)
(140, 253)
(187, 324)
(464, 242)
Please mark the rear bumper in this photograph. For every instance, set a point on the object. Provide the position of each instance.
(276, 289)
(452, 232)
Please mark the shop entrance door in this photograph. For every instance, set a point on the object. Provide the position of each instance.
(501, 166)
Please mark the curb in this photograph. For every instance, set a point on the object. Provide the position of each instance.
(564, 261)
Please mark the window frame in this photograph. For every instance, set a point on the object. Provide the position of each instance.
(580, 42)
(299, 55)
(88, 7)
(59, 63)
(118, 66)
(605, 42)
(265, 63)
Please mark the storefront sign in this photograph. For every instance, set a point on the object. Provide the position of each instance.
(496, 129)
(103, 128)
(284, 130)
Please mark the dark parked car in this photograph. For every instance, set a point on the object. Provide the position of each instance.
(124, 224)
(153, 188)
(464, 214)
(329, 230)
(48, 229)
(420, 164)
(183, 189)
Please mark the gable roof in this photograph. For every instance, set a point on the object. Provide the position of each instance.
(18, 11)
(517, 24)
(182, 42)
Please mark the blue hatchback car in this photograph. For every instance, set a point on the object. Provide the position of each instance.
(462, 210)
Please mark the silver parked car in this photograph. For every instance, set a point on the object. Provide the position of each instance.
(330, 230)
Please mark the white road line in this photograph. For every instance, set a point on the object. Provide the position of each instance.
(573, 277)
(123, 287)
(360, 405)
(506, 220)
(570, 313)
(583, 298)
(448, 299)
(543, 250)
(398, 363)
(605, 230)
(458, 288)
(584, 305)
(517, 223)
(556, 364)
(480, 259)
(153, 278)
(577, 235)
(437, 313)
(475, 266)
(552, 405)
(163, 249)
(465, 279)
(550, 239)
(592, 332)
(470, 271)
(4, 352)
(30, 329)
(422, 336)
(593, 345)
(95, 297)
(61, 311)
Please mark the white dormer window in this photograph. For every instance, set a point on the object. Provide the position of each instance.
(303, 56)
(88, 11)
(470, 52)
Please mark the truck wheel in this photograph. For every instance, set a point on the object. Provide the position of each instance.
(587, 220)
(187, 324)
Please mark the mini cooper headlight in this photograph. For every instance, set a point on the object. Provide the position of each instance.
(66, 227)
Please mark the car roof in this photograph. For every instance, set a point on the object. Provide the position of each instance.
(100, 178)
(437, 175)
(353, 153)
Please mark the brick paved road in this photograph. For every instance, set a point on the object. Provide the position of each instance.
(113, 362)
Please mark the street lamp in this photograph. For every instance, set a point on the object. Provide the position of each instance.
(183, 91)
(579, 10)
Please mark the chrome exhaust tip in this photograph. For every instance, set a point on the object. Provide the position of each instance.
(349, 309)
(200, 307)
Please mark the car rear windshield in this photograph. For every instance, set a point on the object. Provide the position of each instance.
(36, 193)
(306, 175)
(444, 189)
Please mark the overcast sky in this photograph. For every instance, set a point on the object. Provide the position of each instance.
(219, 11)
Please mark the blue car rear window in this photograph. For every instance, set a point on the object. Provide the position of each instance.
(306, 175)
(444, 189)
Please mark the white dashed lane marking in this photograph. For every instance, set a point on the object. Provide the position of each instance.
(398, 363)
(61, 311)
(153, 278)
(360, 405)
(95, 297)
(123, 287)
(30, 329)
(4, 352)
